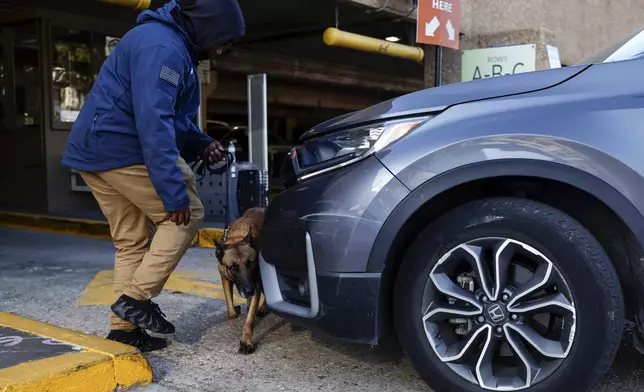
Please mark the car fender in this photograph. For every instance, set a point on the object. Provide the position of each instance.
(591, 121)
(534, 168)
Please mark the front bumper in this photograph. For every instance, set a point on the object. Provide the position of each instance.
(315, 244)
(341, 305)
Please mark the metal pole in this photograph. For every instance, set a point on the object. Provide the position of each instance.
(258, 121)
(200, 123)
(439, 65)
(337, 15)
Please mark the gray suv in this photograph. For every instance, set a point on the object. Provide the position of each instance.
(495, 227)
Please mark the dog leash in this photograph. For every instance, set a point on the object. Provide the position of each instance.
(200, 171)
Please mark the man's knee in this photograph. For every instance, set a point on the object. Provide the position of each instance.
(197, 219)
(197, 214)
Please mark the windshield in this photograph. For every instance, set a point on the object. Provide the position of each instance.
(630, 47)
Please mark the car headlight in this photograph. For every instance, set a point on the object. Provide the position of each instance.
(342, 148)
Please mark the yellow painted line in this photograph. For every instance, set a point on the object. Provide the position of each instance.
(85, 227)
(104, 365)
(100, 291)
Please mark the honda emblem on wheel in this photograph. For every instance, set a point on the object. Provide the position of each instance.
(496, 313)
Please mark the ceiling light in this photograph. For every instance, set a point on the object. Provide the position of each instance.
(392, 39)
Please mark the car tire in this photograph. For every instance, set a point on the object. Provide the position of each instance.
(575, 256)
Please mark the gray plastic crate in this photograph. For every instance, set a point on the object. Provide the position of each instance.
(244, 191)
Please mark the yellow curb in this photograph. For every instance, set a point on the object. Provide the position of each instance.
(86, 227)
(104, 365)
(208, 236)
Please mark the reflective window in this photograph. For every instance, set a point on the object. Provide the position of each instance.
(72, 72)
(76, 59)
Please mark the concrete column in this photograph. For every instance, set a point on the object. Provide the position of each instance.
(451, 66)
(208, 86)
(540, 37)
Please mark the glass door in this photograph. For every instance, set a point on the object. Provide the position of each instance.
(22, 165)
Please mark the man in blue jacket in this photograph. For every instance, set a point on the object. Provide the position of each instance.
(131, 142)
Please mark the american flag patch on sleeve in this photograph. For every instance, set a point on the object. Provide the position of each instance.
(169, 76)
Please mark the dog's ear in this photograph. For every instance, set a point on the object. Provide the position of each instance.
(219, 250)
(249, 239)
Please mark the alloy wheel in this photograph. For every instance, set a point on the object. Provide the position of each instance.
(499, 314)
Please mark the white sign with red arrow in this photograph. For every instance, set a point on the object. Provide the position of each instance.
(439, 23)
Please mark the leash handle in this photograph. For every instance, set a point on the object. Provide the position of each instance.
(200, 166)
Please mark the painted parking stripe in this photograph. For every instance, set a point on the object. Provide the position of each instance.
(100, 291)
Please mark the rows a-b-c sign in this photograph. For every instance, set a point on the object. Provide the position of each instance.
(439, 22)
(498, 61)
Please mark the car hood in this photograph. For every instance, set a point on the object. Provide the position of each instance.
(439, 98)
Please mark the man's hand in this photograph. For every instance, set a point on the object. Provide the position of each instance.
(213, 153)
(181, 217)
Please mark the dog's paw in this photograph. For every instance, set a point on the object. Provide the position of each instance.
(233, 316)
(246, 348)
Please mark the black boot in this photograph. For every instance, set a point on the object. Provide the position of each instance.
(144, 314)
(139, 339)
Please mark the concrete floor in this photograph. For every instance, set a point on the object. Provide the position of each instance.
(42, 276)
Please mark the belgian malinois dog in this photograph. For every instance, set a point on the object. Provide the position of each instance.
(238, 266)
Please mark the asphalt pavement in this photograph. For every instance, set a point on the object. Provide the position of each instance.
(46, 276)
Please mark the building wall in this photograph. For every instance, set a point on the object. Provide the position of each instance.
(580, 27)
(577, 28)
(451, 65)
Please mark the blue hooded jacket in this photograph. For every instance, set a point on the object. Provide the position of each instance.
(141, 107)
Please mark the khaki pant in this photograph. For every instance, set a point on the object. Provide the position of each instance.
(135, 212)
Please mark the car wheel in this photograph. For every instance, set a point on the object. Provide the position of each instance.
(508, 294)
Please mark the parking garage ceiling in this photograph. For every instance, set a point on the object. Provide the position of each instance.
(296, 27)
(287, 27)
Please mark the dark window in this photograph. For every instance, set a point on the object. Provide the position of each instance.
(28, 102)
(3, 90)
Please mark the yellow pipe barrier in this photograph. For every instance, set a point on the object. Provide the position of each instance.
(137, 4)
(335, 37)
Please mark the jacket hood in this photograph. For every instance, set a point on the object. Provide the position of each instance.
(205, 24)
(164, 15)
